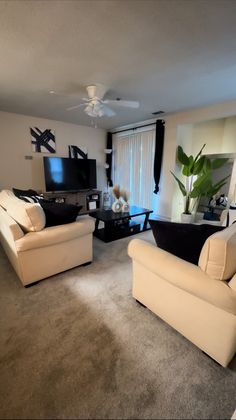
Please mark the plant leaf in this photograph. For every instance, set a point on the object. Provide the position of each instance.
(181, 185)
(198, 165)
(215, 188)
(186, 170)
(182, 157)
(201, 180)
(191, 164)
(199, 154)
(195, 193)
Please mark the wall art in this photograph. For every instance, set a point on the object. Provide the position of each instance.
(43, 140)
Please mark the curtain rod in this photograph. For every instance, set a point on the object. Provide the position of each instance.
(135, 128)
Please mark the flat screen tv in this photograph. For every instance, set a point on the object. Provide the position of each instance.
(66, 174)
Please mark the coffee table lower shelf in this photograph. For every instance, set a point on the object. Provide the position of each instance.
(113, 233)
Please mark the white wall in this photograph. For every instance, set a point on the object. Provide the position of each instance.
(15, 143)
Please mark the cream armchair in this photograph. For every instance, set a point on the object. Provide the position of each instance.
(198, 301)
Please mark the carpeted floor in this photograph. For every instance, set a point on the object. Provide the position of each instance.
(78, 346)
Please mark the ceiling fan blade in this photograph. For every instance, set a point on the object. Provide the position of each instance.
(74, 107)
(120, 102)
(108, 112)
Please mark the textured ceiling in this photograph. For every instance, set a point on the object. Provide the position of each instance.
(170, 55)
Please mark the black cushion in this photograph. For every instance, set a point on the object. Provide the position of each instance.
(182, 239)
(24, 193)
(30, 196)
(59, 213)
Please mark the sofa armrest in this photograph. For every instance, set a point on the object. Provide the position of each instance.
(182, 274)
(161, 262)
(9, 228)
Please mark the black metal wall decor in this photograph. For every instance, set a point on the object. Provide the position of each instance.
(43, 140)
(78, 152)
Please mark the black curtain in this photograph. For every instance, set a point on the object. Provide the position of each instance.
(160, 134)
(109, 160)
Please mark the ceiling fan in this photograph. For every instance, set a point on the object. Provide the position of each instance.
(96, 106)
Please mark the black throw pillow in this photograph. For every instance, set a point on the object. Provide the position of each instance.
(25, 193)
(182, 239)
(59, 213)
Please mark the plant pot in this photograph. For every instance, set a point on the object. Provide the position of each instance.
(117, 206)
(187, 218)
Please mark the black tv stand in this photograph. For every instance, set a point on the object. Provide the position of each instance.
(90, 200)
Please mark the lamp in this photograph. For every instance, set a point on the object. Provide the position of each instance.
(94, 109)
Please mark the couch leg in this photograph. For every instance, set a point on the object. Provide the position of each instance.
(140, 303)
(85, 264)
(31, 284)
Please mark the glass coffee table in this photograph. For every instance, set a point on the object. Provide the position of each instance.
(120, 225)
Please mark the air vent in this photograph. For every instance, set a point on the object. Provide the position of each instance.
(158, 112)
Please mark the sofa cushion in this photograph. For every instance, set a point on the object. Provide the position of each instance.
(182, 239)
(56, 234)
(60, 213)
(218, 255)
(30, 217)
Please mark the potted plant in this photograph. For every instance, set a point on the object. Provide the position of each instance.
(198, 172)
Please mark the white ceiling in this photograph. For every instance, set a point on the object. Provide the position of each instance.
(168, 54)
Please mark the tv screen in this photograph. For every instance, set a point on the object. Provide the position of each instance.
(65, 174)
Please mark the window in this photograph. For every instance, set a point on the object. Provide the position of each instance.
(133, 165)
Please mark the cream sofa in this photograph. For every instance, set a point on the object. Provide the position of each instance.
(198, 301)
(37, 252)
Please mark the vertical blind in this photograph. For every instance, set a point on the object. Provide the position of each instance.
(133, 165)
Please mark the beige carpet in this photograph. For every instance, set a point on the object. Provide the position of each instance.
(78, 346)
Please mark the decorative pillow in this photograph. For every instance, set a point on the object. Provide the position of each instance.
(59, 213)
(29, 196)
(182, 239)
(30, 217)
(32, 198)
(217, 257)
(25, 193)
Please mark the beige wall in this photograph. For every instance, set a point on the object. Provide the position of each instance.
(15, 144)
